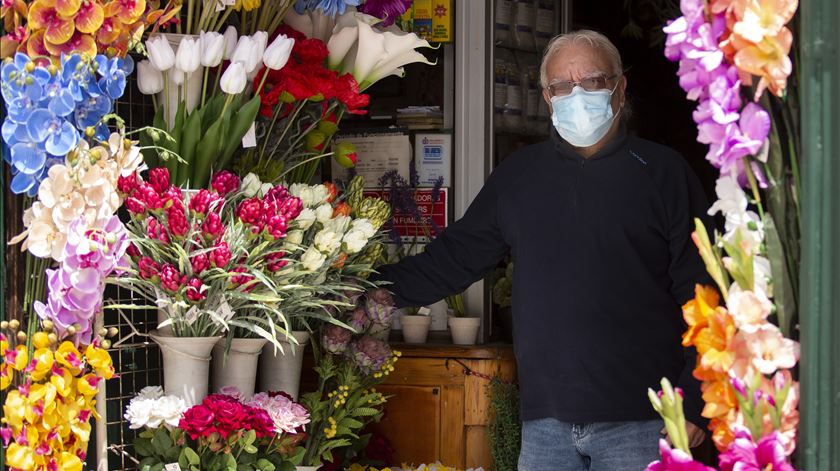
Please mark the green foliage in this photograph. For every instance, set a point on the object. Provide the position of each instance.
(505, 428)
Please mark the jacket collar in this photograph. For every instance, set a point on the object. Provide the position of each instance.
(568, 151)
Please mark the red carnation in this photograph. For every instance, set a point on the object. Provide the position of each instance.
(201, 202)
(347, 91)
(220, 256)
(212, 227)
(148, 268)
(199, 263)
(172, 197)
(310, 51)
(197, 421)
(276, 226)
(178, 224)
(195, 290)
(155, 230)
(128, 184)
(276, 261)
(225, 182)
(159, 179)
(170, 278)
(147, 194)
(135, 206)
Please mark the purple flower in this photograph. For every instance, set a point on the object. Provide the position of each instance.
(675, 460)
(359, 320)
(370, 354)
(744, 454)
(380, 306)
(388, 10)
(335, 339)
(288, 416)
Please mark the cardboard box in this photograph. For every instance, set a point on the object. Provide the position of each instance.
(442, 21)
(433, 158)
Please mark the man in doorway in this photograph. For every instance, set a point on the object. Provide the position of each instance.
(599, 225)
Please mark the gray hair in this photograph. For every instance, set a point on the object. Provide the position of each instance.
(592, 38)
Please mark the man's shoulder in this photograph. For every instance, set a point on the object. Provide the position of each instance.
(657, 154)
(526, 156)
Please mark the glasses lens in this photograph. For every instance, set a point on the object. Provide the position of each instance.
(561, 88)
(593, 84)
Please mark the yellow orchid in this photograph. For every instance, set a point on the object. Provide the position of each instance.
(100, 361)
(69, 357)
(43, 359)
(63, 381)
(69, 462)
(6, 375)
(17, 358)
(4, 345)
(14, 409)
(20, 457)
(87, 385)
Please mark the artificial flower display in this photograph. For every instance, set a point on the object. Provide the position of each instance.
(738, 328)
(50, 110)
(47, 415)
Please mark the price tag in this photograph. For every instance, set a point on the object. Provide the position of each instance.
(172, 467)
(220, 6)
(250, 137)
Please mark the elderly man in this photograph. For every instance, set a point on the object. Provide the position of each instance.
(599, 225)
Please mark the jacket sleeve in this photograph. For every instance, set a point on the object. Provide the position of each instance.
(462, 254)
(687, 270)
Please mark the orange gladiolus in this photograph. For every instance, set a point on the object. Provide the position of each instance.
(697, 311)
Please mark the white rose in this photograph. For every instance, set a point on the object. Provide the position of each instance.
(251, 185)
(338, 224)
(320, 193)
(139, 412)
(151, 392)
(305, 219)
(304, 192)
(365, 226)
(355, 241)
(169, 409)
(327, 241)
(294, 237)
(312, 259)
(324, 213)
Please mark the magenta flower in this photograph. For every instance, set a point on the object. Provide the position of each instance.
(387, 10)
(675, 460)
(744, 454)
(159, 179)
(225, 182)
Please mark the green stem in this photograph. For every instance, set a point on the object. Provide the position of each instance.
(190, 6)
(268, 134)
(754, 187)
(311, 159)
(204, 85)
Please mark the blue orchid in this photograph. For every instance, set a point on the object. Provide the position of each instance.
(331, 8)
(50, 110)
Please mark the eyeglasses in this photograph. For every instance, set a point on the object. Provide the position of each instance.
(590, 84)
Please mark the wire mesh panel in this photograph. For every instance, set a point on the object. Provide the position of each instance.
(137, 359)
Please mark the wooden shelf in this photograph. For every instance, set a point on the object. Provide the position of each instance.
(471, 352)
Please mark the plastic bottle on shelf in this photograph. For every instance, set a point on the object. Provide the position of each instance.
(500, 71)
(530, 71)
(513, 111)
(524, 21)
(544, 24)
(503, 23)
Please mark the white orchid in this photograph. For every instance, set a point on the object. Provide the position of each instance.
(371, 54)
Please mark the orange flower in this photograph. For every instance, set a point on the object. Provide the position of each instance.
(697, 311)
(722, 434)
(715, 346)
(44, 14)
(769, 60)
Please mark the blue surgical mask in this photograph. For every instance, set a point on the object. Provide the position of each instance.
(583, 118)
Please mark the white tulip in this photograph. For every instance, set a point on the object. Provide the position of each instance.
(178, 76)
(312, 259)
(230, 42)
(277, 54)
(304, 192)
(251, 185)
(355, 241)
(365, 226)
(338, 224)
(149, 78)
(247, 52)
(327, 241)
(188, 57)
(320, 193)
(233, 81)
(260, 39)
(160, 53)
(212, 48)
(305, 219)
(294, 237)
(323, 213)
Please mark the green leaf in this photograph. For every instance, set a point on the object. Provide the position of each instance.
(364, 412)
(249, 437)
(239, 125)
(143, 446)
(192, 456)
(350, 423)
(211, 111)
(207, 152)
(177, 130)
(189, 140)
(250, 449)
(782, 287)
(265, 465)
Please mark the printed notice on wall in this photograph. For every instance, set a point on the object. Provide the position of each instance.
(377, 152)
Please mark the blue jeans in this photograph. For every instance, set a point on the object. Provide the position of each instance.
(552, 445)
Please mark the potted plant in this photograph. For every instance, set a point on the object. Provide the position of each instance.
(464, 329)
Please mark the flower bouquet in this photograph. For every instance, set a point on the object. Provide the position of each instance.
(223, 432)
(350, 364)
(745, 361)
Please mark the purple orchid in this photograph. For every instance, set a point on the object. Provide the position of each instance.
(744, 454)
(674, 459)
(77, 286)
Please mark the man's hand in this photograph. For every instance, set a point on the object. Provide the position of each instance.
(696, 435)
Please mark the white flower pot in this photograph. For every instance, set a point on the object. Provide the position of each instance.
(191, 86)
(280, 371)
(464, 330)
(186, 365)
(162, 316)
(415, 328)
(239, 367)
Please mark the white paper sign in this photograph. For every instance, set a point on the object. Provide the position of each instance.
(172, 467)
(250, 137)
(378, 153)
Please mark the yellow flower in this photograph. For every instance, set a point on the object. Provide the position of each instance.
(68, 356)
(69, 462)
(87, 384)
(697, 311)
(18, 359)
(249, 5)
(100, 361)
(41, 340)
(63, 382)
(20, 457)
(14, 409)
(43, 358)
